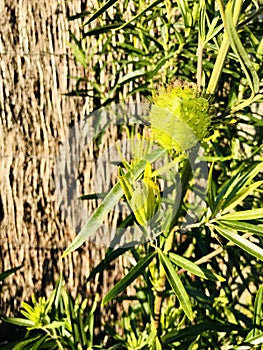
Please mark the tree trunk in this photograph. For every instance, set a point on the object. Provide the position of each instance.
(36, 121)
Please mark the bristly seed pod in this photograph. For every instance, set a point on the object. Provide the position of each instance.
(179, 117)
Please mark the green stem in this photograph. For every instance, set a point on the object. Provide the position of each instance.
(222, 53)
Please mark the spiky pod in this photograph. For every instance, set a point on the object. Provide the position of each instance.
(179, 118)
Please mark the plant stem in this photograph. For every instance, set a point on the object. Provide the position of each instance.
(222, 53)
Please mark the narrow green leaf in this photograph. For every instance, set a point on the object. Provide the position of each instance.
(125, 184)
(58, 291)
(211, 193)
(176, 284)
(91, 196)
(240, 51)
(213, 30)
(253, 172)
(160, 64)
(194, 268)
(54, 296)
(248, 344)
(148, 8)
(82, 14)
(74, 324)
(129, 278)
(37, 344)
(258, 311)
(100, 214)
(243, 215)
(9, 272)
(193, 331)
(132, 76)
(111, 255)
(235, 185)
(101, 29)
(29, 311)
(24, 344)
(19, 321)
(186, 14)
(78, 53)
(227, 192)
(103, 9)
(243, 226)
(157, 344)
(241, 196)
(241, 242)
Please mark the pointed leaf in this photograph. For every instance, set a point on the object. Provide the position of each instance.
(258, 311)
(235, 185)
(194, 268)
(241, 196)
(248, 344)
(211, 193)
(7, 273)
(100, 214)
(129, 278)
(19, 321)
(140, 14)
(101, 11)
(243, 215)
(241, 242)
(111, 255)
(240, 51)
(193, 331)
(243, 226)
(24, 344)
(176, 284)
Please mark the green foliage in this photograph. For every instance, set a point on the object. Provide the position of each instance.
(178, 303)
(57, 322)
(157, 41)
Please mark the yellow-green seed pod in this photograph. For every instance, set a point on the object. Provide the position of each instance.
(179, 118)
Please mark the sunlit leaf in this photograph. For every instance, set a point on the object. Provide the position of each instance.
(194, 268)
(240, 51)
(244, 215)
(176, 284)
(241, 242)
(241, 196)
(243, 226)
(258, 312)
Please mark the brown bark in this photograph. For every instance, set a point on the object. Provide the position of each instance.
(36, 117)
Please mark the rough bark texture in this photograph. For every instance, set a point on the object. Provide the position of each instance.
(36, 118)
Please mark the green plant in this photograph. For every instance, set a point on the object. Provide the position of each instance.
(178, 303)
(57, 322)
